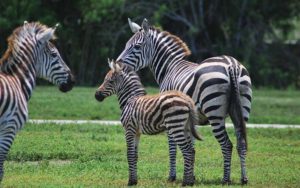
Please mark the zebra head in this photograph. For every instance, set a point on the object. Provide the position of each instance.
(137, 53)
(111, 81)
(50, 64)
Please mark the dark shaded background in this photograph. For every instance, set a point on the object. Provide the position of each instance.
(258, 33)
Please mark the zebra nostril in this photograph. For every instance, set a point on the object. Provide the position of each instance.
(99, 96)
(67, 86)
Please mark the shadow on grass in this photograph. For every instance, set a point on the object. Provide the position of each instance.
(215, 182)
(208, 182)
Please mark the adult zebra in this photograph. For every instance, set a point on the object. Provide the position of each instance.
(30, 54)
(218, 85)
(171, 110)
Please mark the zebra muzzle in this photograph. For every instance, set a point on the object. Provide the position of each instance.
(99, 96)
(65, 87)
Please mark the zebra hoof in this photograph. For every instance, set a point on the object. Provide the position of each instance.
(172, 178)
(132, 182)
(188, 181)
(244, 181)
(226, 182)
(187, 184)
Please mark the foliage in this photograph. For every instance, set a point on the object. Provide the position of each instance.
(88, 155)
(255, 32)
(269, 106)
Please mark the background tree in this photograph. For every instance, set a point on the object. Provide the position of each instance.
(256, 32)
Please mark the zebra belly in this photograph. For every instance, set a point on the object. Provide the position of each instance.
(152, 129)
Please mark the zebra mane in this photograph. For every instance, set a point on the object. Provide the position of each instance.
(177, 40)
(20, 33)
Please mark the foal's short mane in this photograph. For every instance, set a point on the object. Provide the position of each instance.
(176, 40)
(28, 30)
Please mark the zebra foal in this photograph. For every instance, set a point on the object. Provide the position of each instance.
(29, 55)
(142, 114)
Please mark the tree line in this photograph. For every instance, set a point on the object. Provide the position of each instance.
(255, 32)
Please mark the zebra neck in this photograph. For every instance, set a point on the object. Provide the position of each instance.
(166, 56)
(128, 95)
(22, 71)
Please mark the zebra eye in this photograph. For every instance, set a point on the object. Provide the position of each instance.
(53, 54)
(137, 46)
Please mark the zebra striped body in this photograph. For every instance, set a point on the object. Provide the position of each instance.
(219, 86)
(142, 114)
(29, 55)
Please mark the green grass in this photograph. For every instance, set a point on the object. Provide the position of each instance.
(48, 102)
(50, 155)
(80, 103)
(276, 106)
(89, 155)
(269, 106)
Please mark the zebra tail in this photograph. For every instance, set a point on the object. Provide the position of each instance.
(193, 121)
(235, 108)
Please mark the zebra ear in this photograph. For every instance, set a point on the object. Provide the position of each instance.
(133, 26)
(110, 64)
(46, 35)
(145, 25)
(118, 67)
(56, 26)
(25, 22)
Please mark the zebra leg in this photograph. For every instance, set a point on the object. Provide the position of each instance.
(132, 158)
(7, 135)
(172, 155)
(242, 151)
(137, 141)
(246, 94)
(188, 153)
(187, 148)
(219, 131)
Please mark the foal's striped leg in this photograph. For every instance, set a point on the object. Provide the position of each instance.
(187, 148)
(172, 155)
(132, 140)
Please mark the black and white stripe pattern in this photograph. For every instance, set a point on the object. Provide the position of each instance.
(29, 55)
(220, 86)
(172, 111)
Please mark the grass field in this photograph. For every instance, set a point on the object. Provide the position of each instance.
(269, 106)
(95, 156)
(89, 155)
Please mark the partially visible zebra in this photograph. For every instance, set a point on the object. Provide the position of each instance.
(29, 55)
(172, 111)
(218, 85)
